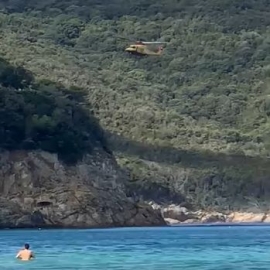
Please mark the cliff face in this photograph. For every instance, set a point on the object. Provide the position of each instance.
(37, 190)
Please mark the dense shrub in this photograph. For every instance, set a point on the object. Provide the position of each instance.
(45, 116)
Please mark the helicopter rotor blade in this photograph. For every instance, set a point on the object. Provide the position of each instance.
(153, 42)
(139, 40)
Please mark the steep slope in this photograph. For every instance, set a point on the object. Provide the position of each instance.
(195, 122)
(55, 166)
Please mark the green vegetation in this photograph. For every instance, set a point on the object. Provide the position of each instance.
(44, 116)
(194, 122)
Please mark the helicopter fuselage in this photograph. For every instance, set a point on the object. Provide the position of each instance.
(141, 50)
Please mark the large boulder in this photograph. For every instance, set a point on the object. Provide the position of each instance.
(171, 221)
(177, 213)
(214, 217)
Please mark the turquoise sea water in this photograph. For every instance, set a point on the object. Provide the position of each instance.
(204, 248)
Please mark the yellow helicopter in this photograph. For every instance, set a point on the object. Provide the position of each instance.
(143, 48)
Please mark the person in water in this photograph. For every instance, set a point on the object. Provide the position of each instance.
(25, 254)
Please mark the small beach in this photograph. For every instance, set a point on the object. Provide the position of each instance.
(169, 248)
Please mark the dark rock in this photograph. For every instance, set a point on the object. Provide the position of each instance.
(213, 218)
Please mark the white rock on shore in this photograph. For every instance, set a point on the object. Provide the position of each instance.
(171, 221)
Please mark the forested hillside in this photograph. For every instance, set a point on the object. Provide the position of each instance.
(192, 125)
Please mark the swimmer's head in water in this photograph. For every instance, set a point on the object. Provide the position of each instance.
(26, 246)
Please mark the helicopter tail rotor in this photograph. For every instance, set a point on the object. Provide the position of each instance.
(160, 49)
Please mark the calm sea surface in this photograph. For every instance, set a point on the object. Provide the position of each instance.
(203, 248)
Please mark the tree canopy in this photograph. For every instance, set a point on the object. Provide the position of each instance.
(44, 116)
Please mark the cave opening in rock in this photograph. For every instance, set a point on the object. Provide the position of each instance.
(44, 203)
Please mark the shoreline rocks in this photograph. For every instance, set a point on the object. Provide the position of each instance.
(177, 215)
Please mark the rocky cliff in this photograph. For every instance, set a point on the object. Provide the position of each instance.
(37, 190)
